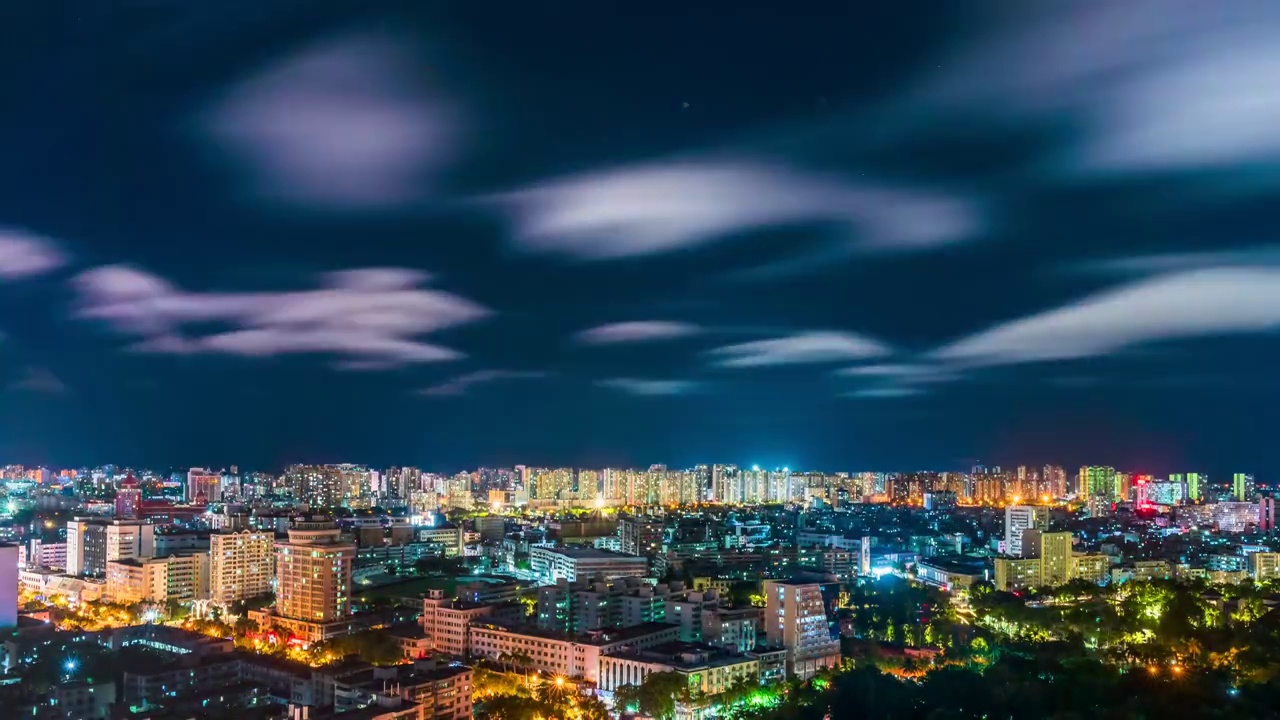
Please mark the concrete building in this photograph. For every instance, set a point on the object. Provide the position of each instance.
(735, 629)
(1017, 520)
(1052, 562)
(176, 577)
(552, 564)
(129, 539)
(447, 622)
(796, 619)
(577, 657)
(639, 536)
(707, 670)
(313, 582)
(86, 547)
(240, 565)
(1264, 566)
(128, 499)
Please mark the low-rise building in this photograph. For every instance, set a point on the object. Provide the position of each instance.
(559, 654)
(552, 564)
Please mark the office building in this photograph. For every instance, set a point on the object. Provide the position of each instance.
(240, 565)
(571, 563)
(1017, 520)
(796, 619)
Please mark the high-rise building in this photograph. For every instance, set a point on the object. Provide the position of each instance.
(1017, 520)
(240, 565)
(313, 573)
(1194, 489)
(1098, 482)
(1242, 487)
(1267, 514)
(639, 536)
(86, 547)
(796, 619)
(128, 499)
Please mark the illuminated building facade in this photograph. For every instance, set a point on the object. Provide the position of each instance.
(240, 565)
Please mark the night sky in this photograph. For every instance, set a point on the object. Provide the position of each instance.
(841, 236)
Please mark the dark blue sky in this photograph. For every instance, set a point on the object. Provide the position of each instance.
(836, 235)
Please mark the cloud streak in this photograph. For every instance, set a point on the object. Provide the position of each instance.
(346, 124)
(1168, 307)
(671, 206)
(636, 332)
(461, 384)
(23, 255)
(802, 348)
(366, 316)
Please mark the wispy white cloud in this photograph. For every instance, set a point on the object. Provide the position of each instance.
(635, 386)
(463, 383)
(39, 380)
(808, 347)
(361, 315)
(637, 331)
(23, 255)
(1168, 307)
(664, 207)
(1150, 84)
(903, 372)
(349, 123)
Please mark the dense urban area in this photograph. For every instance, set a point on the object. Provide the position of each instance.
(537, 593)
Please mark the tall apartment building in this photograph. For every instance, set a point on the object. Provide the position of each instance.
(1017, 520)
(240, 565)
(639, 536)
(128, 539)
(313, 582)
(796, 619)
(86, 547)
(313, 573)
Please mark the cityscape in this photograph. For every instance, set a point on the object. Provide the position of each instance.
(830, 360)
(677, 594)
